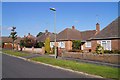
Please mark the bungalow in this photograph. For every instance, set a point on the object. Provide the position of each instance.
(109, 37)
(7, 42)
(65, 37)
(86, 36)
(46, 34)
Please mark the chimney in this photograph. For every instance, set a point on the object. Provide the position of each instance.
(73, 27)
(28, 33)
(24, 35)
(46, 31)
(97, 28)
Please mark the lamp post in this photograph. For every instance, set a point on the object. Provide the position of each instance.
(54, 10)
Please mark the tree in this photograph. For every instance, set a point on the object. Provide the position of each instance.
(13, 35)
(47, 45)
(39, 34)
(76, 44)
(29, 42)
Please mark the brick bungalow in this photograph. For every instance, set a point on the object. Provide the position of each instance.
(86, 36)
(44, 36)
(7, 42)
(109, 37)
(65, 37)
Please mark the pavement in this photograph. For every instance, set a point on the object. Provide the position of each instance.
(18, 68)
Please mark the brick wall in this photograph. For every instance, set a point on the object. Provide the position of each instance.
(86, 49)
(7, 45)
(94, 45)
(68, 45)
(115, 44)
(110, 58)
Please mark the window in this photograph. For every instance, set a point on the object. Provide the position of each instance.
(88, 44)
(61, 44)
(106, 44)
(51, 44)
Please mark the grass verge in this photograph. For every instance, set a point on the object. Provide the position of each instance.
(15, 53)
(104, 71)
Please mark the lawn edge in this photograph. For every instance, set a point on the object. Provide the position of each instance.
(58, 67)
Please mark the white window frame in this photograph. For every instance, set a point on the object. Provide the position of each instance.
(88, 44)
(61, 44)
(106, 42)
(51, 44)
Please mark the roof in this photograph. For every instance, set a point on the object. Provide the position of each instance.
(86, 35)
(30, 36)
(6, 39)
(69, 34)
(110, 31)
(44, 36)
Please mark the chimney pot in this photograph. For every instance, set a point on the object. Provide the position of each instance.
(46, 31)
(73, 27)
(28, 33)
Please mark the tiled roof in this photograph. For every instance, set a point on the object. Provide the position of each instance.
(69, 34)
(109, 32)
(6, 39)
(86, 35)
(44, 36)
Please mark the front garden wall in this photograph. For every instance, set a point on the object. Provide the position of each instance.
(110, 58)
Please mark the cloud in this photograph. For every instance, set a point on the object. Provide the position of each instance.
(76, 21)
(6, 28)
(9, 28)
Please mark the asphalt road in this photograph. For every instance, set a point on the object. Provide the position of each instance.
(17, 68)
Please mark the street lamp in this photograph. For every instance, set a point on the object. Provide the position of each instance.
(54, 10)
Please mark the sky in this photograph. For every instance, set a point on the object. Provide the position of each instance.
(35, 17)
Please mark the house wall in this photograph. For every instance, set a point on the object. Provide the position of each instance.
(68, 45)
(7, 45)
(115, 44)
(93, 45)
(84, 48)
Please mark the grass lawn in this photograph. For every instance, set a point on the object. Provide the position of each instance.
(15, 53)
(104, 71)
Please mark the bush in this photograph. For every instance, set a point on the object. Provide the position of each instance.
(99, 49)
(39, 45)
(116, 51)
(108, 51)
(112, 51)
(75, 50)
(47, 45)
(76, 44)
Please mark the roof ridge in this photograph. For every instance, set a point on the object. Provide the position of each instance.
(87, 30)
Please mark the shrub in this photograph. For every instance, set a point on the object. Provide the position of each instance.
(99, 49)
(116, 51)
(112, 51)
(39, 45)
(76, 44)
(108, 51)
(47, 45)
(75, 50)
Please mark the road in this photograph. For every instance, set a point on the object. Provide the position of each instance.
(17, 68)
